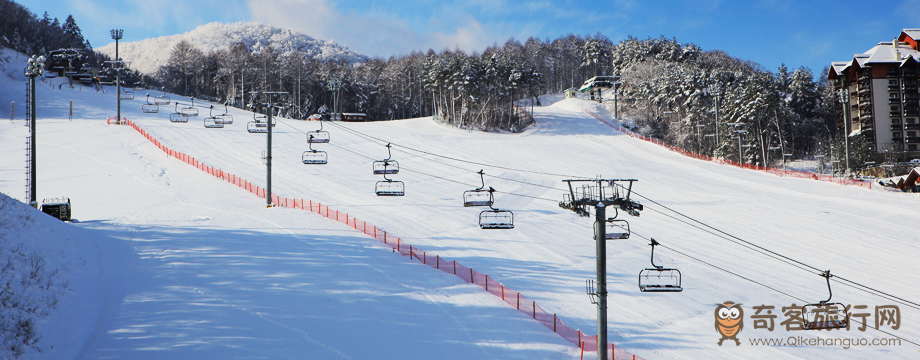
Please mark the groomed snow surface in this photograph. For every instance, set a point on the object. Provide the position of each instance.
(179, 264)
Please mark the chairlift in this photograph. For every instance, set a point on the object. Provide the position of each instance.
(319, 136)
(213, 122)
(658, 278)
(191, 110)
(825, 314)
(616, 229)
(51, 74)
(495, 218)
(479, 196)
(256, 127)
(386, 166)
(149, 107)
(126, 94)
(390, 187)
(314, 157)
(178, 117)
(162, 99)
(225, 118)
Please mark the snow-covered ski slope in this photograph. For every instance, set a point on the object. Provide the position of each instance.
(864, 236)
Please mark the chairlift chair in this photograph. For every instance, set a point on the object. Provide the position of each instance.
(479, 196)
(178, 117)
(224, 118)
(149, 107)
(495, 218)
(212, 122)
(162, 99)
(191, 110)
(616, 230)
(825, 314)
(386, 166)
(658, 278)
(390, 187)
(126, 94)
(314, 157)
(256, 127)
(319, 136)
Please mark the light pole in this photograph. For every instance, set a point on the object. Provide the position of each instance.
(715, 91)
(33, 70)
(740, 147)
(117, 35)
(699, 144)
(845, 100)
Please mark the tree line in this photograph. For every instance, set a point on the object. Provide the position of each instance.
(668, 90)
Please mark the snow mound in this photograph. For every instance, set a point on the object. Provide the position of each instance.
(148, 55)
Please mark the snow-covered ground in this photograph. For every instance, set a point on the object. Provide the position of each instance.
(218, 275)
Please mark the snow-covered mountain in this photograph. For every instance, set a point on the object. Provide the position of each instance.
(148, 55)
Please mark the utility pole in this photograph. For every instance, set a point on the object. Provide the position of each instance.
(33, 70)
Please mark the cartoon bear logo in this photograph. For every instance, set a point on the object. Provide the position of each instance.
(729, 321)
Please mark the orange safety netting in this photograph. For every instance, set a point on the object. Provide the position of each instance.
(512, 297)
(775, 171)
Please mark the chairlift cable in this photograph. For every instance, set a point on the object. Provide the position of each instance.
(775, 255)
(759, 283)
(762, 250)
(454, 159)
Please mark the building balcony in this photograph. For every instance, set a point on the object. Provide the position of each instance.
(893, 88)
(894, 101)
(910, 87)
(895, 113)
(909, 73)
(862, 91)
(896, 127)
(865, 118)
(911, 113)
(913, 139)
(912, 126)
(897, 140)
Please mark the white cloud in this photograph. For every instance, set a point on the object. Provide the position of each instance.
(378, 34)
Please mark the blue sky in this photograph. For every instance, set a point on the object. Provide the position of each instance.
(769, 32)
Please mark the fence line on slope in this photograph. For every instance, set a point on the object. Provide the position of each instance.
(509, 296)
(769, 170)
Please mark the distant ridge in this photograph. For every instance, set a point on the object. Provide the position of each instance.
(148, 55)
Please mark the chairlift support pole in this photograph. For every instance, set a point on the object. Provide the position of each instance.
(600, 221)
(269, 107)
(600, 203)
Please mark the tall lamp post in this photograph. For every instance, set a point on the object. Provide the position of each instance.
(117, 35)
(740, 134)
(33, 70)
(845, 100)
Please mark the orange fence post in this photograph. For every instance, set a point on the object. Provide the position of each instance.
(503, 291)
(471, 277)
(554, 322)
(487, 282)
(534, 309)
(438, 263)
(519, 301)
(455, 267)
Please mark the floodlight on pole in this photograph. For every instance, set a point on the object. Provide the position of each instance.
(33, 70)
(117, 35)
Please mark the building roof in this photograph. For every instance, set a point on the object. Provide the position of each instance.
(913, 33)
(885, 52)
